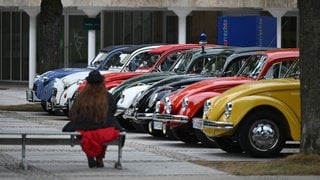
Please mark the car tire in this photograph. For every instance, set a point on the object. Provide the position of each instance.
(141, 128)
(228, 144)
(262, 134)
(205, 140)
(125, 123)
(44, 107)
(185, 133)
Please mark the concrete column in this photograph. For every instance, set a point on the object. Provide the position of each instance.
(182, 18)
(32, 12)
(91, 13)
(278, 13)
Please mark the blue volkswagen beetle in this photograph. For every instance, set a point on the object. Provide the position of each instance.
(107, 57)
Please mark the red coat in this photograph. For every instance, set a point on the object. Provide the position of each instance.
(92, 140)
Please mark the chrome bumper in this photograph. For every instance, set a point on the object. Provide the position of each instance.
(198, 123)
(144, 116)
(171, 118)
(129, 114)
(119, 112)
(31, 96)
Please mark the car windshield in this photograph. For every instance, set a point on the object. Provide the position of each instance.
(182, 62)
(149, 61)
(252, 66)
(140, 60)
(214, 65)
(98, 59)
(113, 62)
(294, 70)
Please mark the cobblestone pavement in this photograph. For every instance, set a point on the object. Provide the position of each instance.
(144, 157)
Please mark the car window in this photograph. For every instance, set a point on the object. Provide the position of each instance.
(98, 59)
(182, 62)
(169, 61)
(252, 66)
(214, 65)
(113, 61)
(278, 70)
(294, 70)
(232, 68)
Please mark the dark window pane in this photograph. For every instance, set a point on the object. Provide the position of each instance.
(6, 49)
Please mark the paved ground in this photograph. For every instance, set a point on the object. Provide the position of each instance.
(144, 156)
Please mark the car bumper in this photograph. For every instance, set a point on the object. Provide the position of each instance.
(129, 114)
(198, 123)
(171, 118)
(119, 112)
(144, 116)
(31, 96)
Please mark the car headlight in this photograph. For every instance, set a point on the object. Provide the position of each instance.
(168, 105)
(44, 79)
(228, 109)
(80, 81)
(185, 103)
(157, 108)
(206, 107)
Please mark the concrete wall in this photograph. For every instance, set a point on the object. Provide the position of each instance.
(201, 4)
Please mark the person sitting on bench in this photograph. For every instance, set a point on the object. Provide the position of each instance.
(92, 114)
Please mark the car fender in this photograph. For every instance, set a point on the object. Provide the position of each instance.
(129, 94)
(249, 103)
(196, 103)
(67, 94)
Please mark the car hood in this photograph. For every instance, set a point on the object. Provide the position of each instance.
(58, 73)
(213, 84)
(262, 87)
(144, 78)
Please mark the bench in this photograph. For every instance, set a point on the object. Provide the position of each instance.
(45, 137)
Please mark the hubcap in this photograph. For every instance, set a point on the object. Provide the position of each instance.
(264, 135)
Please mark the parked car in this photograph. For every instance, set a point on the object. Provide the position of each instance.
(223, 61)
(256, 118)
(131, 92)
(179, 108)
(126, 92)
(63, 89)
(42, 88)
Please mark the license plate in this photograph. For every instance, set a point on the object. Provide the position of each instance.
(197, 123)
(157, 125)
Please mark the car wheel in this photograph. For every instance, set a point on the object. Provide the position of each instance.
(262, 134)
(143, 128)
(166, 130)
(185, 133)
(44, 107)
(125, 123)
(228, 144)
(205, 140)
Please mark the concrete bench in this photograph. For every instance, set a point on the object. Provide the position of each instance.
(49, 137)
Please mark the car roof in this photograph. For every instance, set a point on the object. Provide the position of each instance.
(281, 52)
(131, 49)
(111, 48)
(167, 47)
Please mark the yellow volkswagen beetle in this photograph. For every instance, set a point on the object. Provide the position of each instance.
(257, 118)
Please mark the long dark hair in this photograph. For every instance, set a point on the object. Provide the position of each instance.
(91, 104)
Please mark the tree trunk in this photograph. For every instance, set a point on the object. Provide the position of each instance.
(310, 80)
(50, 15)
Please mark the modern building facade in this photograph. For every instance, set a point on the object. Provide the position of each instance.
(125, 22)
